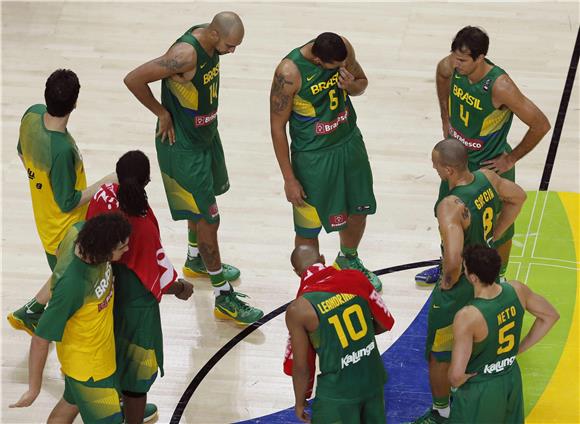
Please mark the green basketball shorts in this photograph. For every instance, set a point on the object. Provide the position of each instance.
(98, 401)
(192, 178)
(338, 182)
(368, 411)
(497, 399)
(444, 305)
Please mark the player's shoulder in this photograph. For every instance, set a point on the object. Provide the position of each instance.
(288, 67)
(37, 109)
(468, 315)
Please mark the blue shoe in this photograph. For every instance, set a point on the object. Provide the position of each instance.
(428, 277)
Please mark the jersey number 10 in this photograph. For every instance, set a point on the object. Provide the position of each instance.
(347, 315)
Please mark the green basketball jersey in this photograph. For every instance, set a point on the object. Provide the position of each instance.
(484, 205)
(496, 354)
(350, 364)
(193, 105)
(322, 114)
(475, 122)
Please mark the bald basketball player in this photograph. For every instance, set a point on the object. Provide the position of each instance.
(189, 148)
(468, 215)
(341, 326)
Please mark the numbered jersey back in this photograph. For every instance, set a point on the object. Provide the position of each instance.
(484, 205)
(496, 354)
(350, 364)
(322, 114)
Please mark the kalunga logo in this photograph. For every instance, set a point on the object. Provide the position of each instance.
(337, 220)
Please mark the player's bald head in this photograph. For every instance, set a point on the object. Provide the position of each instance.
(304, 256)
(228, 23)
(451, 152)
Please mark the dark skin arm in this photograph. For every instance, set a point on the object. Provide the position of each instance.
(505, 93)
(300, 318)
(180, 58)
(512, 197)
(352, 77)
(443, 84)
(453, 217)
(285, 85)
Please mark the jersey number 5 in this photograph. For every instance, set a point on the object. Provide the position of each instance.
(506, 341)
(347, 319)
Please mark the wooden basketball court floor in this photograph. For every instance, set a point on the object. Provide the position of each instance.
(398, 45)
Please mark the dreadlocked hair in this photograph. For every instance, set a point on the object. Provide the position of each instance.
(133, 174)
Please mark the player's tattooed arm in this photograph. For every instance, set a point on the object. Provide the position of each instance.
(464, 209)
(279, 97)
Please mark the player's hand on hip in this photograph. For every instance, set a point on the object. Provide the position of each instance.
(166, 128)
(186, 291)
(301, 413)
(499, 164)
(345, 79)
(26, 399)
(294, 192)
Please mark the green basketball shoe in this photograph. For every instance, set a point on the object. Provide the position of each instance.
(342, 262)
(24, 319)
(228, 305)
(195, 267)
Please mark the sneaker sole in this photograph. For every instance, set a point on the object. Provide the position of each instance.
(150, 417)
(425, 284)
(188, 272)
(18, 324)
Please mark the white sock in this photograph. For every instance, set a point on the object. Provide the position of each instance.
(192, 251)
(219, 290)
(443, 412)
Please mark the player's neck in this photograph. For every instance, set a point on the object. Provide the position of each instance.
(306, 51)
(465, 178)
(487, 292)
(55, 123)
(202, 35)
(480, 72)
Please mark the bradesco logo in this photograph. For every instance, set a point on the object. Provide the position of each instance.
(322, 128)
(470, 143)
(203, 120)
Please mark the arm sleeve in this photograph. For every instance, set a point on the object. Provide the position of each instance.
(63, 179)
(67, 298)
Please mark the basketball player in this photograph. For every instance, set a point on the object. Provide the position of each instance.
(468, 215)
(142, 275)
(79, 318)
(189, 148)
(327, 178)
(484, 370)
(478, 100)
(338, 314)
(56, 176)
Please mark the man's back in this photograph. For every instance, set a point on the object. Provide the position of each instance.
(56, 176)
(350, 364)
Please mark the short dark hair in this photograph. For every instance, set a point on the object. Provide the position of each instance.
(133, 173)
(482, 261)
(101, 235)
(473, 38)
(329, 47)
(61, 92)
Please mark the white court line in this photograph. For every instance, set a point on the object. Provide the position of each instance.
(528, 232)
(556, 259)
(540, 224)
(553, 266)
